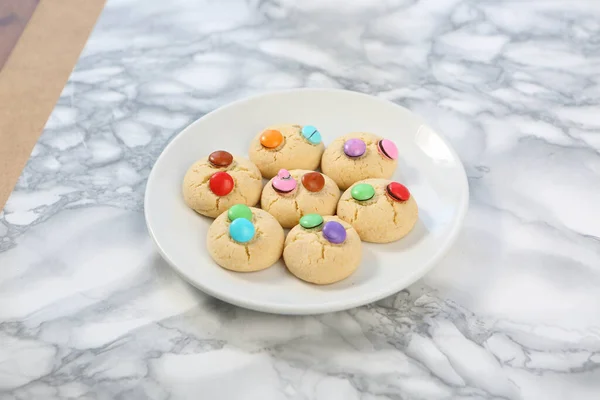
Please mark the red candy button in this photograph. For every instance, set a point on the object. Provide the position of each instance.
(397, 192)
(221, 183)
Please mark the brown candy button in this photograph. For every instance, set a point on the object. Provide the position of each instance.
(313, 181)
(220, 159)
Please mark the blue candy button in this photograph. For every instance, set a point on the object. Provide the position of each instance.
(311, 134)
(241, 230)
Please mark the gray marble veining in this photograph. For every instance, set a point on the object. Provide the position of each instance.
(89, 310)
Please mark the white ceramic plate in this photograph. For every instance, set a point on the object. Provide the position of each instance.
(428, 166)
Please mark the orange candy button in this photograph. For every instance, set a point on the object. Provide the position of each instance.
(271, 138)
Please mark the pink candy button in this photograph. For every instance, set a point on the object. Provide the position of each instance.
(284, 182)
(388, 149)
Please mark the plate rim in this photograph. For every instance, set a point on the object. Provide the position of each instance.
(324, 307)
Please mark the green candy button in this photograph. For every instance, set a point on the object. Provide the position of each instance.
(310, 221)
(362, 192)
(239, 211)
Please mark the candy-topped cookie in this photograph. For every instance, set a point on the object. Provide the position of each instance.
(380, 210)
(322, 249)
(245, 239)
(286, 147)
(357, 156)
(215, 183)
(292, 194)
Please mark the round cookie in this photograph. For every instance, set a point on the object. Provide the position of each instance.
(287, 147)
(315, 254)
(357, 156)
(380, 210)
(260, 245)
(215, 183)
(305, 192)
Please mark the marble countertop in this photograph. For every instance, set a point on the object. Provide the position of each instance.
(89, 310)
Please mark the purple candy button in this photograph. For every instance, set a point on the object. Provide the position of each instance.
(334, 232)
(354, 147)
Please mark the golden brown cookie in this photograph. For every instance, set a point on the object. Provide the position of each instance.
(286, 147)
(357, 156)
(380, 210)
(317, 254)
(311, 192)
(245, 245)
(215, 183)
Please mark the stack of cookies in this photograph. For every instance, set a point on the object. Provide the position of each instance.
(327, 226)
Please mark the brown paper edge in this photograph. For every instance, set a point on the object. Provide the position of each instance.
(34, 76)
